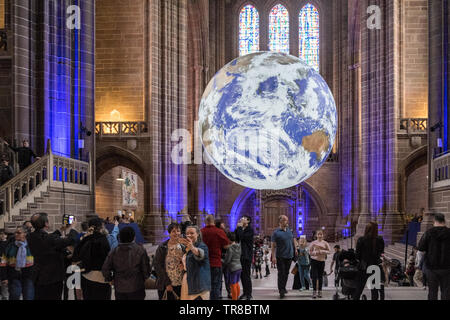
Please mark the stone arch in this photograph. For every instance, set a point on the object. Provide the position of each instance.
(413, 161)
(316, 199)
(247, 193)
(112, 156)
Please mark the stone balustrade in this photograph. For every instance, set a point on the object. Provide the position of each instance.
(413, 126)
(49, 171)
(121, 129)
(440, 167)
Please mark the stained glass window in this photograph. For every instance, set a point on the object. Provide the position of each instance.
(248, 30)
(309, 35)
(279, 29)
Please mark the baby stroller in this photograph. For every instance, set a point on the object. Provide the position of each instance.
(397, 273)
(348, 275)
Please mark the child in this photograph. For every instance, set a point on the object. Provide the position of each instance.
(258, 257)
(266, 261)
(304, 263)
(233, 266)
(411, 270)
(325, 279)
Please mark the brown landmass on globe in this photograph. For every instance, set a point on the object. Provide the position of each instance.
(318, 142)
(221, 79)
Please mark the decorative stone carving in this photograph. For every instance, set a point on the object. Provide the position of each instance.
(131, 144)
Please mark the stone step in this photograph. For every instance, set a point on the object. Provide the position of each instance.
(39, 200)
(32, 205)
(25, 212)
(19, 218)
(45, 194)
(10, 227)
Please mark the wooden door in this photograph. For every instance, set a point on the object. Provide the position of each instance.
(272, 210)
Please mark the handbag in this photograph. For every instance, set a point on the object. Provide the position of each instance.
(174, 294)
(150, 284)
(294, 270)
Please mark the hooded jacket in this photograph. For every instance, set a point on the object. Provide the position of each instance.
(129, 266)
(436, 245)
(233, 258)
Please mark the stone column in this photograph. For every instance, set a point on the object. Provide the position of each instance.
(380, 94)
(168, 52)
(439, 83)
(23, 42)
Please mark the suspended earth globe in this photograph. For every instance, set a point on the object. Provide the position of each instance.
(267, 120)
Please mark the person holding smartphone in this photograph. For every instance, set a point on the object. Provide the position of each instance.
(49, 250)
(244, 236)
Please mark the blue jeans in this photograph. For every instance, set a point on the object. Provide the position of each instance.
(304, 274)
(216, 283)
(21, 287)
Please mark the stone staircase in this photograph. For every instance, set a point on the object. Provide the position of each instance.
(397, 251)
(53, 203)
(54, 185)
(394, 251)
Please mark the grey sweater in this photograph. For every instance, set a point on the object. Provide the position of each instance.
(233, 258)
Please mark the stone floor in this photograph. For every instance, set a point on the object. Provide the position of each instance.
(266, 289)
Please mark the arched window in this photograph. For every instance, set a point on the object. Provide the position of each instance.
(279, 29)
(248, 30)
(309, 35)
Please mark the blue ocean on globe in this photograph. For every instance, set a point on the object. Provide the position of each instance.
(267, 120)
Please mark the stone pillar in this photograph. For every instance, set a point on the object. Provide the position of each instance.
(439, 84)
(380, 105)
(168, 84)
(22, 67)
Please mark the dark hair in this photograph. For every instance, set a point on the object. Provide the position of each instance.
(127, 235)
(248, 218)
(172, 226)
(218, 223)
(39, 220)
(84, 226)
(96, 224)
(231, 236)
(28, 221)
(439, 217)
(184, 226)
(337, 246)
(371, 232)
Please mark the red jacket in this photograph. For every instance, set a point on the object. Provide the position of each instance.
(215, 238)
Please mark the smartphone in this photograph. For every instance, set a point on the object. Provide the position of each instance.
(68, 219)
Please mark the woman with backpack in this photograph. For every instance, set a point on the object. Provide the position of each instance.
(90, 254)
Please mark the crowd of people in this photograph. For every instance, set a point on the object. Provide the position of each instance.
(194, 263)
(25, 157)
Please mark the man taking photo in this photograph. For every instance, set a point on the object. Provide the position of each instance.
(244, 236)
(49, 250)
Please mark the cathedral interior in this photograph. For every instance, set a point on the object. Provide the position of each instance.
(99, 88)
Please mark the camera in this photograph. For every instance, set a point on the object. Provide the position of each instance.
(68, 219)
